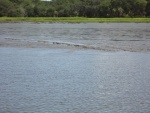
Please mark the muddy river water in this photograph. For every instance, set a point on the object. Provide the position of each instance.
(74, 68)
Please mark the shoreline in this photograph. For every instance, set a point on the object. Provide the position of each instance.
(72, 20)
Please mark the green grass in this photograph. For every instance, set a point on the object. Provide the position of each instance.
(72, 19)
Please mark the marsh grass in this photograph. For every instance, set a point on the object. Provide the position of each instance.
(73, 19)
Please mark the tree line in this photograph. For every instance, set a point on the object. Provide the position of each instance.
(74, 8)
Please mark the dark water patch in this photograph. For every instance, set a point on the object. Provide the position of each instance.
(80, 46)
(70, 44)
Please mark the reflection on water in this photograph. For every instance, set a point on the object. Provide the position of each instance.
(73, 81)
(100, 36)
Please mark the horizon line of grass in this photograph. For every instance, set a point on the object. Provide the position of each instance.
(74, 20)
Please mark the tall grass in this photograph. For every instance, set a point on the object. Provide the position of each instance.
(72, 19)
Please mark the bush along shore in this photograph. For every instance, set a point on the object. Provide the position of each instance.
(73, 19)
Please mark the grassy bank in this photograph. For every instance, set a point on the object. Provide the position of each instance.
(72, 19)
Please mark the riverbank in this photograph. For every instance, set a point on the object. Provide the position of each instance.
(74, 20)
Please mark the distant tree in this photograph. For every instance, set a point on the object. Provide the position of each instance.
(5, 7)
(17, 1)
(147, 9)
(83, 8)
(28, 7)
(138, 7)
(105, 8)
(51, 12)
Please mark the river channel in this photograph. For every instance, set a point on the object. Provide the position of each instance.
(74, 68)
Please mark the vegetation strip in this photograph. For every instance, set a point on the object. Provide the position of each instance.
(75, 8)
(72, 19)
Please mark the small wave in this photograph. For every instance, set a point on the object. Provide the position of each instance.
(125, 40)
(77, 45)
